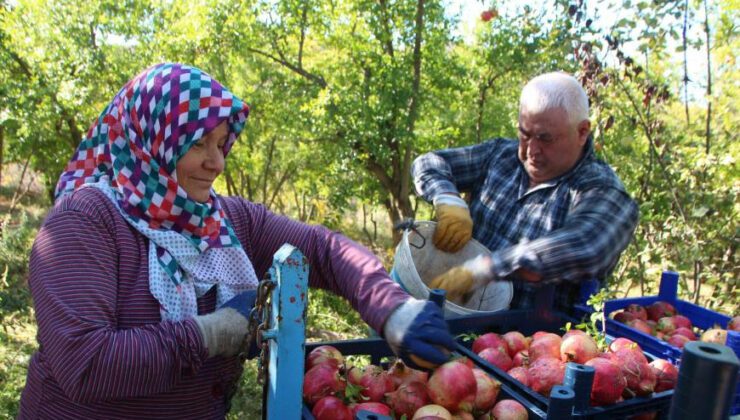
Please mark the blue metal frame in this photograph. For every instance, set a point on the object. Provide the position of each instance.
(287, 334)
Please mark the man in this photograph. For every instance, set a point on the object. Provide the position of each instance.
(545, 206)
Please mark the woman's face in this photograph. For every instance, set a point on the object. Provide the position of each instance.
(203, 163)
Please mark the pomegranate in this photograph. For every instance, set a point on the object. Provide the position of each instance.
(521, 359)
(375, 382)
(432, 412)
(734, 323)
(578, 348)
(641, 326)
(408, 398)
(686, 332)
(666, 375)
(539, 334)
(638, 311)
(515, 342)
(520, 374)
(678, 340)
(321, 381)
(509, 410)
(331, 408)
(453, 386)
(623, 343)
(402, 374)
(666, 325)
(497, 357)
(486, 392)
(624, 317)
(544, 373)
(681, 321)
(546, 345)
(324, 354)
(714, 335)
(659, 309)
(487, 15)
(489, 340)
(462, 415)
(639, 376)
(572, 332)
(609, 383)
(373, 407)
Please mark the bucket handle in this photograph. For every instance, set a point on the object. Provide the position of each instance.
(410, 224)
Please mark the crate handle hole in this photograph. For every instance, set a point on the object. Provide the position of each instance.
(709, 350)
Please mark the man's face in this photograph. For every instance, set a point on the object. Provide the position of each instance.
(549, 144)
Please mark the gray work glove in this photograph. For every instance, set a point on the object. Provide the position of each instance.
(223, 331)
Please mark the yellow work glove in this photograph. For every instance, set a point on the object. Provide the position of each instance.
(463, 279)
(454, 225)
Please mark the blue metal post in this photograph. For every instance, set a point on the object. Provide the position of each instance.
(287, 334)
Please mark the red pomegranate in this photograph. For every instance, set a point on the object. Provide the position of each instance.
(638, 311)
(521, 374)
(489, 340)
(515, 342)
(578, 348)
(666, 375)
(321, 381)
(408, 398)
(324, 354)
(546, 345)
(373, 407)
(509, 410)
(497, 357)
(402, 374)
(521, 359)
(453, 386)
(659, 309)
(609, 383)
(487, 389)
(544, 373)
(375, 382)
(331, 408)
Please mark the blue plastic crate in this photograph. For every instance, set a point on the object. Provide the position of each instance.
(377, 349)
(700, 317)
(528, 322)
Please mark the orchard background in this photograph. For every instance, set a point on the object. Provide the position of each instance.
(344, 94)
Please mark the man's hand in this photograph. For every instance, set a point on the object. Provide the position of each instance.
(454, 224)
(223, 331)
(461, 280)
(418, 334)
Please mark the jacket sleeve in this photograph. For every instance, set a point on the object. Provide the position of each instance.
(451, 170)
(74, 267)
(336, 263)
(598, 228)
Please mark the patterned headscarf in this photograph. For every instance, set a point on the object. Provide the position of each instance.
(131, 152)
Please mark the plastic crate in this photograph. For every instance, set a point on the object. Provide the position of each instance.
(528, 322)
(377, 349)
(700, 317)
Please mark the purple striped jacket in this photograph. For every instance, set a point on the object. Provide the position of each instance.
(103, 350)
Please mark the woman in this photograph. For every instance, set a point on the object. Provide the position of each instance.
(142, 276)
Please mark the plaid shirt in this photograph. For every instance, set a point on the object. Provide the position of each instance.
(569, 229)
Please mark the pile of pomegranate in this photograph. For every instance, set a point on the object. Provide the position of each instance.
(621, 370)
(336, 390)
(661, 320)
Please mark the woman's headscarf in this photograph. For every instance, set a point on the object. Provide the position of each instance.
(130, 153)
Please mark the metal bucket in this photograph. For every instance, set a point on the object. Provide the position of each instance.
(417, 262)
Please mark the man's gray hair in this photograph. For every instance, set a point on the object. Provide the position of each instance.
(553, 90)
